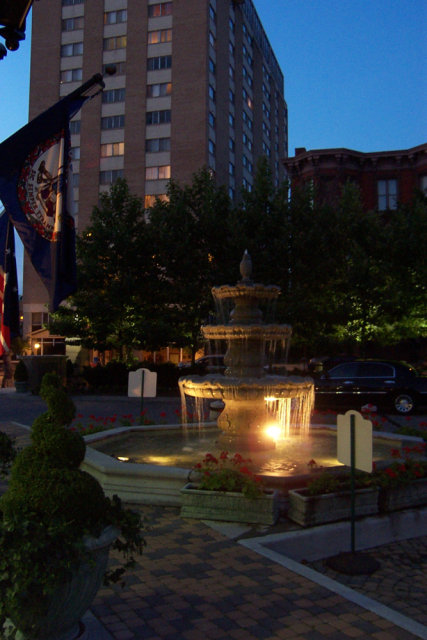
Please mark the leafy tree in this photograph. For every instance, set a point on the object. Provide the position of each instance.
(113, 306)
(191, 244)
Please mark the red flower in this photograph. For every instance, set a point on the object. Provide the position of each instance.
(224, 455)
(395, 453)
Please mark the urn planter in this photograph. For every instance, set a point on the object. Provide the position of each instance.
(403, 497)
(71, 599)
(229, 506)
(309, 510)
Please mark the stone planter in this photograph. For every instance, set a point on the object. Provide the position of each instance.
(229, 506)
(309, 510)
(404, 497)
(72, 599)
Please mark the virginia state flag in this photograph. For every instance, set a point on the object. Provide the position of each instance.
(9, 301)
(34, 165)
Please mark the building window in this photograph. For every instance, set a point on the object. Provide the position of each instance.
(423, 184)
(75, 153)
(247, 141)
(247, 164)
(158, 117)
(113, 95)
(160, 9)
(150, 200)
(72, 24)
(211, 147)
(231, 71)
(72, 49)
(156, 145)
(113, 122)
(67, 3)
(158, 173)
(162, 35)
(115, 17)
(71, 75)
(247, 76)
(118, 42)
(247, 120)
(247, 99)
(212, 93)
(387, 194)
(231, 144)
(212, 66)
(158, 90)
(112, 149)
(231, 120)
(75, 127)
(231, 25)
(231, 170)
(76, 179)
(109, 177)
(212, 40)
(231, 96)
(120, 68)
(159, 62)
(231, 193)
(212, 13)
(211, 119)
(39, 319)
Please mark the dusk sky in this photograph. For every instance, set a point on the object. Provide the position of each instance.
(355, 72)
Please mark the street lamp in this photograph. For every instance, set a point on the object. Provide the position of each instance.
(37, 347)
(13, 14)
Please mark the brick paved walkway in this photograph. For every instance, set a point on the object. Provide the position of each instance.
(194, 583)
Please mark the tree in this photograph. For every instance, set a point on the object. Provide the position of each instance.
(191, 243)
(113, 306)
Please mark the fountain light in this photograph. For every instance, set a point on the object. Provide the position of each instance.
(273, 431)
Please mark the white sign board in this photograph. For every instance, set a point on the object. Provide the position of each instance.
(362, 440)
(135, 383)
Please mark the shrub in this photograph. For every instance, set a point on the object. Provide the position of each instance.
(7, 453)
(50, 505)
(21, 373)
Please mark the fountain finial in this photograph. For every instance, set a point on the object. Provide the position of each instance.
(246, 267)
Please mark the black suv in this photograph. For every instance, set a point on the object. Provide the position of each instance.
(392, 385)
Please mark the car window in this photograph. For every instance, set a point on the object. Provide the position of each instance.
(346, 370)
(375, 370)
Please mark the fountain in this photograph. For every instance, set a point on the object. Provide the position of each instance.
(149, 465)
(252, 399)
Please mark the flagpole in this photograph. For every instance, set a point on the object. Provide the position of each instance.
(94, 80)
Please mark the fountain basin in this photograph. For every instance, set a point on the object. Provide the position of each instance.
(160, 483)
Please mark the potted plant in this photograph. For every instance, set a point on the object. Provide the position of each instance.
(21, 377)
(327, 498)
(226, 489)
(403, 484)
(56, 528)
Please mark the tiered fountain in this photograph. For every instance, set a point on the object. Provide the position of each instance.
(252, 399)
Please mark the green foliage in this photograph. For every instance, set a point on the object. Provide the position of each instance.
(50, 505)
(227, 474)
(21, 373)
(7, 453)
(351, 279)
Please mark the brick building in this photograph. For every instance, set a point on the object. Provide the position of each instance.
(384, 177)
(197, 84)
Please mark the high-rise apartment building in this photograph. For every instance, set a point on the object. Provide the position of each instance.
(196, 84)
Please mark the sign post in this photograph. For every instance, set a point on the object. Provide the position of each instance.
(354, 449)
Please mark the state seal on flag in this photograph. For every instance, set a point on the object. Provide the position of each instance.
(41, 186)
